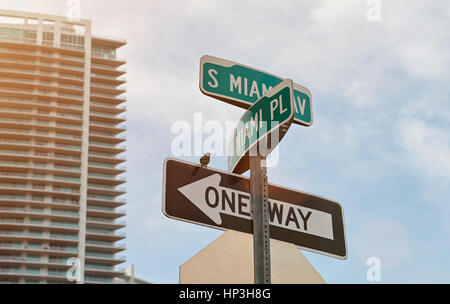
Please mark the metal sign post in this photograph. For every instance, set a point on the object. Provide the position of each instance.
(259, 193)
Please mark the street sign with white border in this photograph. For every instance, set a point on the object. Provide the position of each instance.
(242, 86)
(221, 200)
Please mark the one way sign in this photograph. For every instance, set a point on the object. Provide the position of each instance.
(221, 200)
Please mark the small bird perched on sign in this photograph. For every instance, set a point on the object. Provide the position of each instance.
(205, 159)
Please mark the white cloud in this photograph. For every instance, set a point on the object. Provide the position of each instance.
(330, 14)
(433, 107)
(419, 45)
(428, 149)
(427, 153)
(384, 239)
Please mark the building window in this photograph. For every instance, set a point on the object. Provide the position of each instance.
(47, 36)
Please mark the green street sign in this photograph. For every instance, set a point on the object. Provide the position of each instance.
(262, 127)
(242, 86)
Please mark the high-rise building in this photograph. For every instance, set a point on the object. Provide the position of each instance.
(61, 116)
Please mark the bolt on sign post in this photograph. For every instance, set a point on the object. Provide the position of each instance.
(242, 86)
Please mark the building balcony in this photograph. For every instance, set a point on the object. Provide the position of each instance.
(17, 215)
(31, 64)
(106, 157)
(54, 228)
(107, 89)
(109, 203)
(21, 145)
(105, 168)
(107, 117)
(106, 127)
(69, 193)
(60, 109)
(110, 191)
(40, 136)
(92, 270)
(100, 178)
(106, 98)
(38, 238)
(55, 148)
(105, 212)
(13, 178)
(92, 257)
(107, 108)
(26, 158)
(31, 84)
(66, 48)
(22, 200)
(37, 249)
(26, 117)
(36, 156)
(31, 72)
(100, 246)
(16, 274)
(115, 42)
(106, 147)
(14, 40)
(108, 86)
(46, 95)
(70, 177)
(97, 234)
(18, 260)
(92, 222)
(106, 137)
(110, 79)
(21, 54)
(106, 59)
(99, 68)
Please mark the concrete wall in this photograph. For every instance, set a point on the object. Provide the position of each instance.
(229, 260)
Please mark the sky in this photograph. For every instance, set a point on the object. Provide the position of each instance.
(379, 145)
